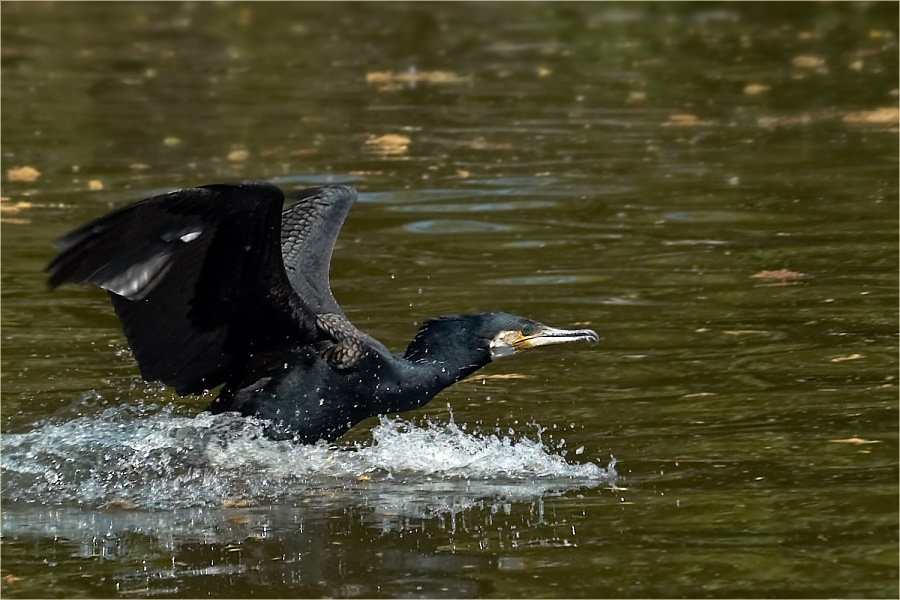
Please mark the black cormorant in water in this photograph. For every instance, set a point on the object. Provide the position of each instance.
(222, 284)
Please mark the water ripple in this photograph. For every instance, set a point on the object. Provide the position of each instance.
(455, 226)
(475, 207)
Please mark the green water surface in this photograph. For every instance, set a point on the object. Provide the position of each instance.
(710, 186)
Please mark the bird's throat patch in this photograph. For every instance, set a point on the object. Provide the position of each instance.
(503, 344)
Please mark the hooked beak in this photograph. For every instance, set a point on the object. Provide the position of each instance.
(547, 336)
(507, 343)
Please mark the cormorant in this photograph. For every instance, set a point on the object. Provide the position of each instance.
(221, 284)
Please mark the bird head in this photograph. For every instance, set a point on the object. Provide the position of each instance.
(511, 334)
(487, 336)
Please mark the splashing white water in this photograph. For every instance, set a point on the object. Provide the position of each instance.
(160, 460)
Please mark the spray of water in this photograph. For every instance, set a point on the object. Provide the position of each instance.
(154, 459)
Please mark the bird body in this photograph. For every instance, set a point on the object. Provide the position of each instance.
(304, 396)
(222, 286)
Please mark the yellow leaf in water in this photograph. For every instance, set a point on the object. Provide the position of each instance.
(755, 89)
(413, 76)
(807, 62)
(499, 376)
(482, 144)
(684, 120)
(95, 185)
(23, 174)
(848, 357)
(379, 76)
(5, 207)
(770, 122)
(636, 96)
(389, 144)
(889, 115)
(780, 274)
(238, 155)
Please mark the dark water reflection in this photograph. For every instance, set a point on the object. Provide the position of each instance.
(713, 187)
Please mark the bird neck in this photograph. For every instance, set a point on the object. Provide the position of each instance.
(447, 371)
(418, 381)
(444, 351)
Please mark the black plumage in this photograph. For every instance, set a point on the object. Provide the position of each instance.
(221, 285)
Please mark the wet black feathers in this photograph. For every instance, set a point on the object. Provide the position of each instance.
(197, 276)
(309, 229)
(222, 286)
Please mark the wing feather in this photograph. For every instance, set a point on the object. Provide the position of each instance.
(310, 227)
(196, 277)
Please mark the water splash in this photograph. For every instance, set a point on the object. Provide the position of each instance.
(132, 457)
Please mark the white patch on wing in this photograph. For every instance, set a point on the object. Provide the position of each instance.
(190, 236)
(133, 282)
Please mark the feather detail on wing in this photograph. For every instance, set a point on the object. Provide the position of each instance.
(196, 277)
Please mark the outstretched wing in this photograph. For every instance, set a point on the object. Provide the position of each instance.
(196, 277)
(309, 229)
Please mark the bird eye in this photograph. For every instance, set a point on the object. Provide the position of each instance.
(526, 330)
